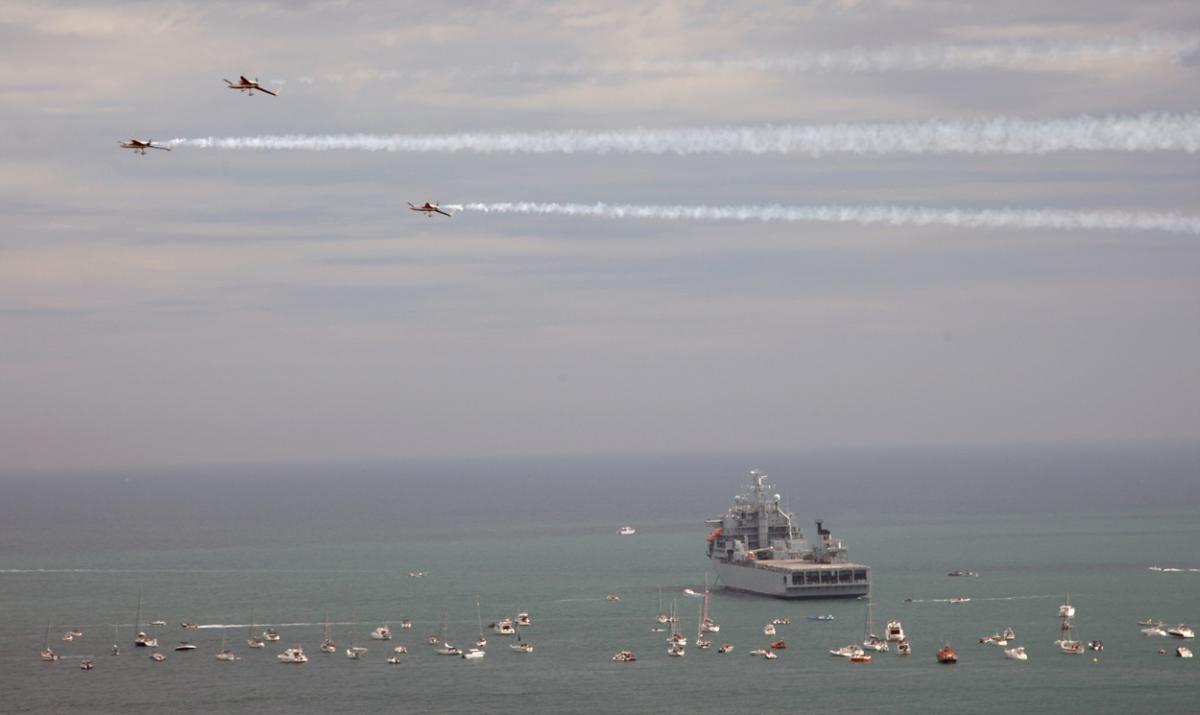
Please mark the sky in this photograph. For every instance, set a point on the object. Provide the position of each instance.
(232, 305)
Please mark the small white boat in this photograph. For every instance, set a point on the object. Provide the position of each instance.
(522, 619)
(86, 665)
(612, 597)
(960, 599)
(270, 635)
(770, 655)
(627, 531)
(355, 652)
(295, 654)
(624, 656)
(1180, 631)
(157, 657)
(769, 629)
(68, 636)
(758, 651)
(847, 651)
(1071, 647)
(1153, 631)
(185, 646)
(1065, 609)
(1017, 653)
(725, 648)
(445, 648)
(400, 649)
(158, 623)
(895, 631)
(676, 651)
(252, 640)
(994, 639)
(227, 655)
(145, 641)
(904, 647)
(473, 654)
(1152, 623)
(394, 660)
(781, 621)
(504, 627)
(405, 624)
(1009, 634)
(1183, 652)
(382, 633)
(875, 643)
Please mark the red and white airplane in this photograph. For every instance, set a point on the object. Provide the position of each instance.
(428, 208)
(141, 146)
(248, 86)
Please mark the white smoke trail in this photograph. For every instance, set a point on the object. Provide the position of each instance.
(1050, 55)
(999, 135)
(1027, 219)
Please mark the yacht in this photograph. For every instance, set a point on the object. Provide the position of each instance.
(522, 619)
(625, 656)
(847, 651)
(960, 599)
(504, 627)
(1180, 631)
(1183, 652)
(895, 631)
(1017, 653)
(185, 646)
(382, 633)
(627, 531)
(270, 635)
(355, 652)
(769, 629)
(86, 665)
(394, 660)
(473, 654)
(157, 657)
(295, 654)
(903, 647)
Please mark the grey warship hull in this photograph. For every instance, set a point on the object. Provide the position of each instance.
(755, 548)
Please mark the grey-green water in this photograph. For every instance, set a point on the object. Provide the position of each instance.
(84, 569)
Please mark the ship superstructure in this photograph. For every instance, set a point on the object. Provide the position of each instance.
(755, 547)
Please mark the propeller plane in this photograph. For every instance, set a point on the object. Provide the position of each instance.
(249, 86)
(140, 147)
(428, 209)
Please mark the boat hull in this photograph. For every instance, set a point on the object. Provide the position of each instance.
(779, 582)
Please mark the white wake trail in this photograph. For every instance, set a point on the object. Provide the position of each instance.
(998, 135)
(1027, 219)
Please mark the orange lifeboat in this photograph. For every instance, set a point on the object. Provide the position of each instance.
(947, 655)
(712, 535)
(779, 645)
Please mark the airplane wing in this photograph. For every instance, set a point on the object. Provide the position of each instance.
(262, 89)
(437, 210)
(244, 80)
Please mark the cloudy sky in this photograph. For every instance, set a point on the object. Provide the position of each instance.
(234, 305)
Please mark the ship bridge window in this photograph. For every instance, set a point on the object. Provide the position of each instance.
(797, 579)
(813, 577)
(845, 576)
(860, 574)
(828, 576)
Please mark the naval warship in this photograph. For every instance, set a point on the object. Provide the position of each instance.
(755, 548)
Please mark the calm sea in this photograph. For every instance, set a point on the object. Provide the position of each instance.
(207, 545)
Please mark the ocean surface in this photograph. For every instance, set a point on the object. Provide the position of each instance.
(208, 545)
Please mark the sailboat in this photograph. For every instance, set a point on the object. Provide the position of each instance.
(116, 649)
(354, 652)
(480, 642)
(707, 624)
(225, 654)
(48, 653)
(701, 642)
(676, 638)
(1067, 644)
(870, 640)
(520, 646)
(142, 640)
(662, 617)
(445, 648)
(252, 640)
(327, 644)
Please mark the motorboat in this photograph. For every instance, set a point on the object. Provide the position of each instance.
(770, 655)
(1183, 652)
(144, 641)
(824, 618)
(522, 619)
(895, 631)
(1017, 653)
(994, 639)
(447, 649)
(1152, 623)
(758, 652)
(960, 599)
(185, 646)
(189, 625)
(227, 655)
(473, 654)
(355, 652)
(781, 621)
(68, 636)
(847, 651)
(406, 624)
(769, 629)
(382, 633)
(157, 657)
(779, 645)
(394, 660)
(295, 654)
(1180, 631)
(946, 655)
(521, 647)
(627, 531)
(612, 597)
(903, 647)
(1070, 647)
(1153, 631)
(624, 656)
(864, 658)
(328, 646)
(504, 627)
(962, 573)
(1096, 645)
(400, 649)
(49, 655)
(86, 665)
(676, 651)
(1065, 609)
(270, 635)
(158, 623)
(433, 640)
